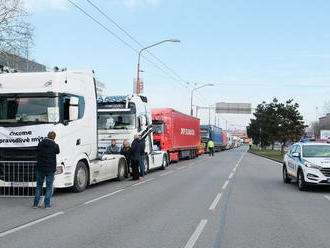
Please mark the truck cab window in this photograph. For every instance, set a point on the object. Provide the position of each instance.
(73, 108)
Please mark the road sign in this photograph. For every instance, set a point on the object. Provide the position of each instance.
(233, 108)
(135, 86)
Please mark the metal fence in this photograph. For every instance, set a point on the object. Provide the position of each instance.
(17, 178)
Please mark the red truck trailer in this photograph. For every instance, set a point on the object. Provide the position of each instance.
(224, 140)
(176, 133)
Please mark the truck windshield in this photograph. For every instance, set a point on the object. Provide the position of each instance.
(29, 109)
(205, 134)
(316, 151)
(158, 128)
(116, 121)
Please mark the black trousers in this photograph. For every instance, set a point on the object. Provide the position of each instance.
(135, 169)
(211, 151)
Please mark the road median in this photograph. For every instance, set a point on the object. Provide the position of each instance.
(270, 154)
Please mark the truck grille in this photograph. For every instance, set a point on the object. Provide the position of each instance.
(325, 172)
(18, 154)
(18, 171)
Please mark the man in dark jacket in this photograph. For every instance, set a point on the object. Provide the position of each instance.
(142, 156)
(46, 168)
(135, 157)
(126, 151)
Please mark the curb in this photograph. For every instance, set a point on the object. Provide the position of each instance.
(260, 155)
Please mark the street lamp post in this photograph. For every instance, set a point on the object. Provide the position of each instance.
(139, 57)
(192, 94)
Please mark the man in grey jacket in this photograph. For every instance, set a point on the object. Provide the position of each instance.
(113, 148)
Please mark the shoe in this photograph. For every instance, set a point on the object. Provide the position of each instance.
(140, 178)
(48, 206)
(35, 207)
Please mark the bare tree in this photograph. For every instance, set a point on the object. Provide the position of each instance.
(15, 31)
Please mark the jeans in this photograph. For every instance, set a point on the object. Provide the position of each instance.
(141, 165)
(135, 169)
(211, 151)
(49, 187)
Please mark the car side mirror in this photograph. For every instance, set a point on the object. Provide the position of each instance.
(296, 154)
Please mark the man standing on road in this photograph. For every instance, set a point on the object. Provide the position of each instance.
(113, 148)
(210, 145)
(46, 168)
(142, 156)
(126, 150)
(135, 157)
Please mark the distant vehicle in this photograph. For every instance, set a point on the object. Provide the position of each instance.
(211, 132)
(309, 163)
(224, 140)
(176, 133)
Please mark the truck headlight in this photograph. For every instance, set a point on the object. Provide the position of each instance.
(59, 170)
(311, 165)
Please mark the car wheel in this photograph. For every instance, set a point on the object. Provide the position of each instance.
(301, 181)
(80, 178)
(146, 165)
(164, 163)
(286, 178)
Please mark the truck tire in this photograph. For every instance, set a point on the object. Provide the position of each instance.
(301, 181)
(164, 163)
(286, 178)
(80, 178)
(146, 165)
(122, 171)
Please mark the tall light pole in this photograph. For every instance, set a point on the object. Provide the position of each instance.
(192, 94)
(139, 57)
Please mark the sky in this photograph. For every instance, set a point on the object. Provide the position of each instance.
(252, 51)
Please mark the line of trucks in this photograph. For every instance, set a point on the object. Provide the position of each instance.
(32, 104)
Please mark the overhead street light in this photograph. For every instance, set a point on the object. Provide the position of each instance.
(139, 57)
(192, 94)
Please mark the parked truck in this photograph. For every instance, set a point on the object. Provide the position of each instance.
(224, 140)
(208, 132)
(31, 105)
(120, 118)
(176, 133)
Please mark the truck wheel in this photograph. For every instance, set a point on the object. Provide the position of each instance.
(301, 181)
(164, 163)
(121, 170)
(80, 177)
(286, 178)
(146, 165)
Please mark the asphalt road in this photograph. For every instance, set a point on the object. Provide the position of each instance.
(234, 199)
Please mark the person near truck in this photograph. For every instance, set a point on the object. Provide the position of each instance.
(113, 148)
(142, 156)
(46, 168)
(126, 150)
(135, 157)
(210, 146)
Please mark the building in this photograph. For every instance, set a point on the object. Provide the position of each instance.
(17, 63)
(324, 122)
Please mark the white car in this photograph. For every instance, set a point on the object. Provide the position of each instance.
(308, 163)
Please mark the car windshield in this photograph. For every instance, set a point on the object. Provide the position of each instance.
(316, 151)
(205, 134)
(29, 109)
(116, 121)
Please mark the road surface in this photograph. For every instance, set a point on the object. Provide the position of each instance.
(235, 199)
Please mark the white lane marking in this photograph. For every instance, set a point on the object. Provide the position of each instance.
(101, 197)
(225, 185)
(234, 169)
(215, 202)
(16, 229)
(166, 173)
(327, 197)
(194, 237)
(180, 168)
(231, 175)
(148, 180)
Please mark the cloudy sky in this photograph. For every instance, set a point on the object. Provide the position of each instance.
(252, 51)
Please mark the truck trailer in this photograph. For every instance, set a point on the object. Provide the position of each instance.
(208, 132)
(176, 133)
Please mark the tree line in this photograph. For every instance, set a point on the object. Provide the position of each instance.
(276, 122)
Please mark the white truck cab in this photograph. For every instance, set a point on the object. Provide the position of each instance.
(308, 163)
(120, 118)
(31, 105)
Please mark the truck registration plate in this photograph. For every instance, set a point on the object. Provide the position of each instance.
(19, 184)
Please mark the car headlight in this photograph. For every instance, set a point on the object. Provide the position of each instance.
(311, 165)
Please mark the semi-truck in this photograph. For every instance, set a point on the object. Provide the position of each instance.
(120, 118)
(176, 133)
(224, 140)
(31, 105)
(208, 132)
